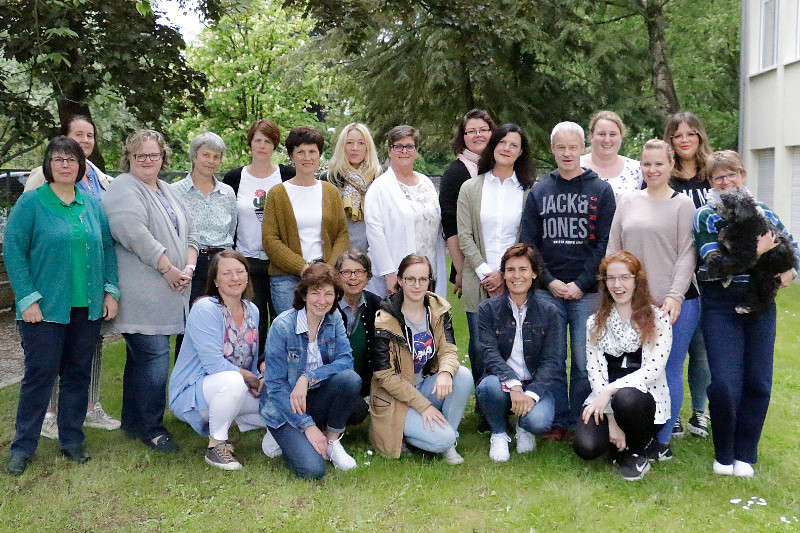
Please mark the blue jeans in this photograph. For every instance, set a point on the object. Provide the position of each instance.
(572, 315)
(682, 332)
(144, 385)
(330, 405)
(699, 374)
(496, 405)
(282, 289)
(740, 354)
(474, 353)
(53, 350)
(439, 439)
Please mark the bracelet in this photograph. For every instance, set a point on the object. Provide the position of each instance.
(162, 272)
(192, 267)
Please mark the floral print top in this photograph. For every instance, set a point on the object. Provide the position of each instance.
(424, 203)
(240, 347)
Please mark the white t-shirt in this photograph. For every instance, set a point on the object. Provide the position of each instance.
(307, 207)
(250, 205)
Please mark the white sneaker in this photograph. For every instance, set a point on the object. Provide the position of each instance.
(742, 469)
(270, 447)
(526, 441)
(50, 426)
(340, 458)
(498, 447)
(98, 418)
(723, 470)
(451, 456)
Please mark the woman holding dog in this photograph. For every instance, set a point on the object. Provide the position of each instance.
(655, 224)
(740, 346)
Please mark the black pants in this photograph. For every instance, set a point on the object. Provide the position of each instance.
(634, 411)
(259, 275)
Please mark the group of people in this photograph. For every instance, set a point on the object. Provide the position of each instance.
(304, 304)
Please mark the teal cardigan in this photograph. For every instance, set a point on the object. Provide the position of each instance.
(39, 262)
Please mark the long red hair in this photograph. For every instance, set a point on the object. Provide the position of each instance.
(642, 316)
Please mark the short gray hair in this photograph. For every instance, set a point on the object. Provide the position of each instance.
(211, 140)
(359, 256)
(401, 132)
(568, 127)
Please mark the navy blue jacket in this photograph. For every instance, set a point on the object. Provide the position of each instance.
(540, 343)
(568, 222)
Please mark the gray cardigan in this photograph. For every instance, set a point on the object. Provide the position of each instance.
(470, 237)
(142, 231)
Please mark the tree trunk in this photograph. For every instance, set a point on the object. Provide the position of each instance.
(663, 85)
(74, 103)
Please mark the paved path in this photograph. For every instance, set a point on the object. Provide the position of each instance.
(11, 358)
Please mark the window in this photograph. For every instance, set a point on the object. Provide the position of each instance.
(765, 163)
(769, 33)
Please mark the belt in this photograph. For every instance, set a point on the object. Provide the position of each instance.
(210, 251)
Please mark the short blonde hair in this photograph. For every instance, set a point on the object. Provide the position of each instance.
(659, 144)
(135, 140)
(723, 160)
(608, 115)
(339, 166)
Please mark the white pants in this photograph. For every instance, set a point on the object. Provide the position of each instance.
(229, 400)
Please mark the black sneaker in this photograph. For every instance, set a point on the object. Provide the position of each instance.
(633, 467)
(698, 424)
(658, 452)
(222, 457)
(677, 429)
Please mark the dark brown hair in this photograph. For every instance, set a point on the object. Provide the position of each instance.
(316, 276)
(63, 145)
(523, 250)
(414, 259)
(266, 127)
(304, 135)
(65, 127)
(703, 148)
(643, 317)
(522, 166)
(458, 141)
(213, 268)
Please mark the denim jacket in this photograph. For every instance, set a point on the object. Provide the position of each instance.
(285, 356)
(497, 330)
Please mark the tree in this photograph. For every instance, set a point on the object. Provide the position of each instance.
(255, 70)
(79, 48)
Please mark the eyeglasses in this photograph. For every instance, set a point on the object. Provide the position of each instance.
(410, 280)
(350, 273)
(62, 160)
(729, 177)
(481, 130)
(141, 158)
(613, 279)
(685, 136)
(404, 147)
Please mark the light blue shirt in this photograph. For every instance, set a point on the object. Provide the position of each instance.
(214, 216)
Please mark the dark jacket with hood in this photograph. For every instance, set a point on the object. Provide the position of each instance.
(568, 222)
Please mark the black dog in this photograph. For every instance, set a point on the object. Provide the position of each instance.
(736, 253)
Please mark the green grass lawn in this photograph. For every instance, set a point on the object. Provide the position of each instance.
(126, 487)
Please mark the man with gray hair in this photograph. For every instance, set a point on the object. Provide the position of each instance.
(567, 218)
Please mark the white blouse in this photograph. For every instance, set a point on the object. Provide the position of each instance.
(501, 211)
(620, 337)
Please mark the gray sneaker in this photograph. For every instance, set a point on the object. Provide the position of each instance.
(98, 418)
(222, 457)
(50, 426)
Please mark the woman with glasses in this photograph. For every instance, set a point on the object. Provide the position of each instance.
(81, 129)
(156, 246)
(304, 221)
(403, 217)
(606, 131)
(419, 390)
(358, 307)
(740, 346)
(686, 135)
(63, 271)
(655, 226)
(628, 342)
(473, 133)
(489, 212)
(353, 166)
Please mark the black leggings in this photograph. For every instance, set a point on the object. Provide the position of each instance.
(634, 411)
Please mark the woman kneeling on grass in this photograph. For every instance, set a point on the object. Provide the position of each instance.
(627, 347)
(419, 390)
(215, 380)
(310, 381)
